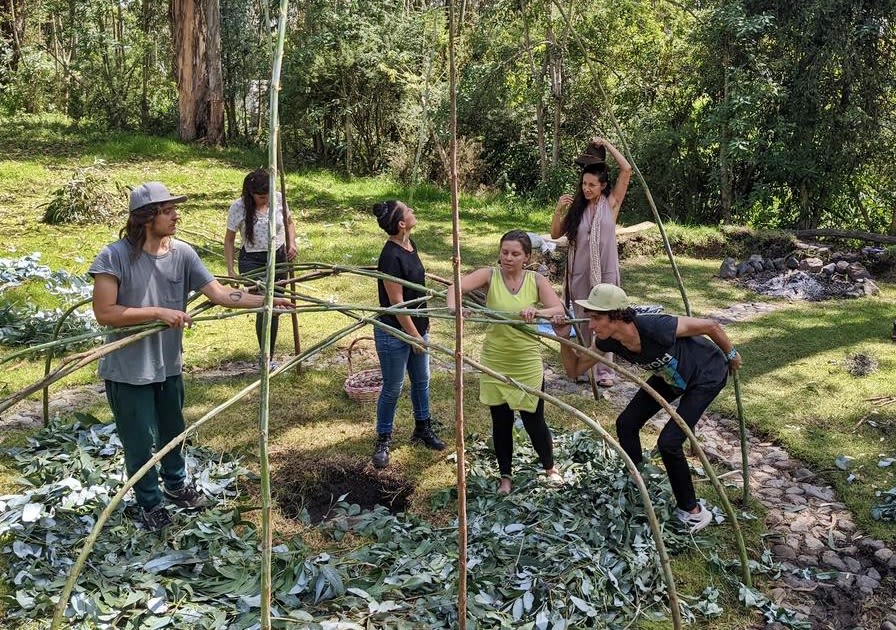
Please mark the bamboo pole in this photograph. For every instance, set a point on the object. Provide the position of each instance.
(744, 454)
(90, 541)
(73, 363)
(265, 393)
(608, 107)
(458, 338)
(290, 275)
(652, 520)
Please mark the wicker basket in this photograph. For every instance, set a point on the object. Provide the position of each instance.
(363, 386)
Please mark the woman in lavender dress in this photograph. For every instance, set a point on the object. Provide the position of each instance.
(588, 220)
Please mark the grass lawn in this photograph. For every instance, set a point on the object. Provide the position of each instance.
(795, 385)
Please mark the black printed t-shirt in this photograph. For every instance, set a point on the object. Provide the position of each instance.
(680, 361)
(396, 261)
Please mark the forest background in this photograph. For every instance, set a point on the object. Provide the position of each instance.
(761, 112)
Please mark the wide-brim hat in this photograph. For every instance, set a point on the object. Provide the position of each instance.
(605, 297)
(152, 192)
(593, 155)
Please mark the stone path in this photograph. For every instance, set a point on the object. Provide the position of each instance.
(29, 413)
(808, 527)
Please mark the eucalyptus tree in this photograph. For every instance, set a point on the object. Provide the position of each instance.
(196, 36)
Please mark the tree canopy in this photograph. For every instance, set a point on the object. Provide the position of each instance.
(754, 111)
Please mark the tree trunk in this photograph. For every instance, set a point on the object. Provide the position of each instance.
(724, 164)
(556, 68)
(196, 33)
(538, 81)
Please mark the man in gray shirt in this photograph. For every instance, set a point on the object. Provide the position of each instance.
(144, 277)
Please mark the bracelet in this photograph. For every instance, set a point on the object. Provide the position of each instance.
(730, 355)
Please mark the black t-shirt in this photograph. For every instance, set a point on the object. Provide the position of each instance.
(396, 261)
(680, 361)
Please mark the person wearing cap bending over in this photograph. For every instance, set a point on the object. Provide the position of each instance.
(685, 365)
(144, 277)
(588, 220)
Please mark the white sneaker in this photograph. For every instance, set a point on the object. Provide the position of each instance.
(694, 522)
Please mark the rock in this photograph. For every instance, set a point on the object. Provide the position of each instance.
(872, 543)
(845, 580)
(776, 517)
(841, 266)
(829, 269)
(745, 269)
(887, 625)
(784, 552)
(852, 564)
(754, 258)
(873, 574)
(832, 560)
(884, 554)
(825, 494)
(857, 271)
(806, 560)
(813, 544)
(800, 524)
(865, 583)
(728, 269)
(791, 262)
(780, 264)
(868, 286)
(812, 264)
(802, 474)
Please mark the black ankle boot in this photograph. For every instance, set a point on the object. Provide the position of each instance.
(381, 450)
(423, 433)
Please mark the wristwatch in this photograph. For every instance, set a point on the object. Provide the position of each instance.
(730, 355)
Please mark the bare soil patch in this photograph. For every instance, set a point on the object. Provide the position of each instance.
(300, 483)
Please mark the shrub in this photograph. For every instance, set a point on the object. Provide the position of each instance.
(88, 197)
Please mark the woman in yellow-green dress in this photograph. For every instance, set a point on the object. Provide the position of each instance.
(513, 289)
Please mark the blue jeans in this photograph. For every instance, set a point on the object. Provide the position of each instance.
(396, 356)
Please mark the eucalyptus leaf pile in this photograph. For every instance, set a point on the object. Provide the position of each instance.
(25, 324)
(580, 555)
(886, 509)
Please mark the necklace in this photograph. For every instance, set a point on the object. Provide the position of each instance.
(513, 284)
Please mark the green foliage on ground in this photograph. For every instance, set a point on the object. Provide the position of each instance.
(796, 389)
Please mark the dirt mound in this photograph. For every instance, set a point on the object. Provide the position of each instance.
(300, 483)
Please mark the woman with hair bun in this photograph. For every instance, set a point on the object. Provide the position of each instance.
(400, 259)
(588, 220)
(249, 215)
(510, 288)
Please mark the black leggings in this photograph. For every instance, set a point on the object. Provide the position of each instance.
(642, 407)
(250, 261)
(536, 427)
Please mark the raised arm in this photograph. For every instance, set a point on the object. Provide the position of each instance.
(470, 282)
(622, 180)
(563, 204)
